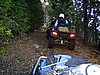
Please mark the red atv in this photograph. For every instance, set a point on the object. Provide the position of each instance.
(54, 36)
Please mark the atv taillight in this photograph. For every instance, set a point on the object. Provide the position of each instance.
(54, 33)
(72, 35)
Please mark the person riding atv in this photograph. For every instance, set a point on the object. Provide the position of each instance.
(60, 34)
(61, 23)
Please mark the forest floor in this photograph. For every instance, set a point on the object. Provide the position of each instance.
(22, 53)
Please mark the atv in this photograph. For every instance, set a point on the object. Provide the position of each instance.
(64, 65)
(55, 36)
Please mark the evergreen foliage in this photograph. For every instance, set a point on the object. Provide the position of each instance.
(17, 18)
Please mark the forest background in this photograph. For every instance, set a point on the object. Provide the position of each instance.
(21, 17)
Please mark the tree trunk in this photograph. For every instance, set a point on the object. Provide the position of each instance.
(85, 41)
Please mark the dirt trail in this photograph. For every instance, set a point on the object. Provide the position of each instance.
(23, 53)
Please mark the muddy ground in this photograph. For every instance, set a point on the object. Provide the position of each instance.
(23, 53)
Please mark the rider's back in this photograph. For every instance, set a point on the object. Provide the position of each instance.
(62, 22)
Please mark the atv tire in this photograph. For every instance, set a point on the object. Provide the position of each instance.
(51, 42)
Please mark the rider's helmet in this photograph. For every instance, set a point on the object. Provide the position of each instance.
(61, 15)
